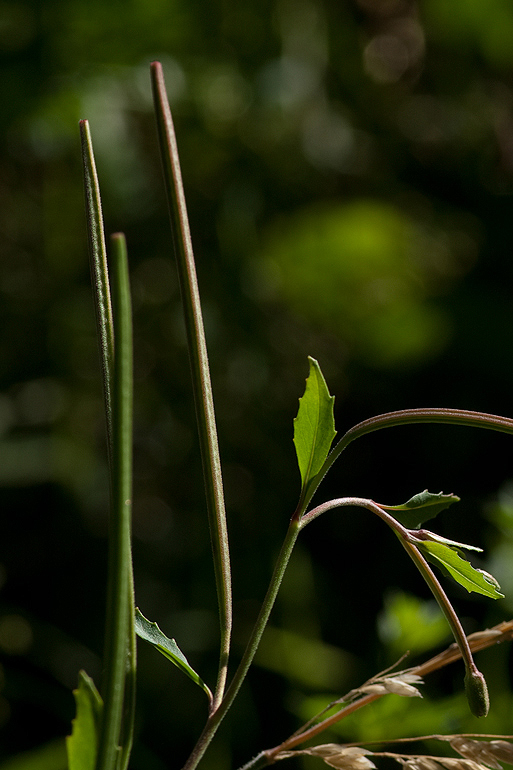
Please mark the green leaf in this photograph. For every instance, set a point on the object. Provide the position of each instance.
(425, 534)
(151, 633)
(449, 560)
(314, 426)
(82, 744)
(420, 508)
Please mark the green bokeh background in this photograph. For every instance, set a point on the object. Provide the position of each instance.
(348, 167)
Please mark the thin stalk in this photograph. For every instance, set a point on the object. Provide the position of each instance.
(442, 600)
(479, 641)
(410, 417)
(202, 387)
(475, 684)
(216, 717)
(99, 271)
(417, 558)
(119, 644)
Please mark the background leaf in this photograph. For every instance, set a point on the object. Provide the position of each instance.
(150, 632)
(82, 744)
(460, 569)
(314, 426)
(421, 507)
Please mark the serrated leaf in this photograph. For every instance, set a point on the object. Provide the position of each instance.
(460, 569)
(314, 426)
(151, 633)
(420, 508)
(82, 744)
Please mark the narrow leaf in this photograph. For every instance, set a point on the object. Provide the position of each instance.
(314, 426)
(82, 744)
(462, 571)
(425, 534)
(420, 508)
(151, 633)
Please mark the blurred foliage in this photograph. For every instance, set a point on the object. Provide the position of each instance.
(349, 174)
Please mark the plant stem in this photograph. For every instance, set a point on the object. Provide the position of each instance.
(119, 644)
(202, 387)
(359, 502)
(478, 641)
(442, 600)
(99, 271)
(410, 417)
(405, 536)
(251, 647)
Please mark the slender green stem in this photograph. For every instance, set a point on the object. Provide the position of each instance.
(202, 388)
(119, 643)
(443, 602)
(120, 649)
(216, 717)
(405, 536)
(123, 398)
(99, 271)
(410, 417)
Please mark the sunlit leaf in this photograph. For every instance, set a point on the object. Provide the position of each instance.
(461, 570)
(425, 534)
(314, 426)
(151, 633)
(82, 744)
(420, 508)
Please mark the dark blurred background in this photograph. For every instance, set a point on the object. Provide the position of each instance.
(348, 168)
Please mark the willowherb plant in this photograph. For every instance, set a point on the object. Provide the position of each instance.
(103, 729)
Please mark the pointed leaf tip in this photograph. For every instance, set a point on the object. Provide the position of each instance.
(314, 426)
(420, 508)
(449, 561)
(82, 744)
(150, 632)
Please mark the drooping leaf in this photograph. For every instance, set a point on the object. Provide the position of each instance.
(151, 633)
(314, 426)
(420, 508)
(449, 560)
(82, 744)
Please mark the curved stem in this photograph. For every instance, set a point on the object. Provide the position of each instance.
(443, 602)
(410, 417)
(479, 641)
(359, 502)
(417, 558)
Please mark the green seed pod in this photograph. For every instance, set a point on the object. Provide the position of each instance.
(477, 693)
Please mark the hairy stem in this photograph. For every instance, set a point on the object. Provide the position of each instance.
(410, 417)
